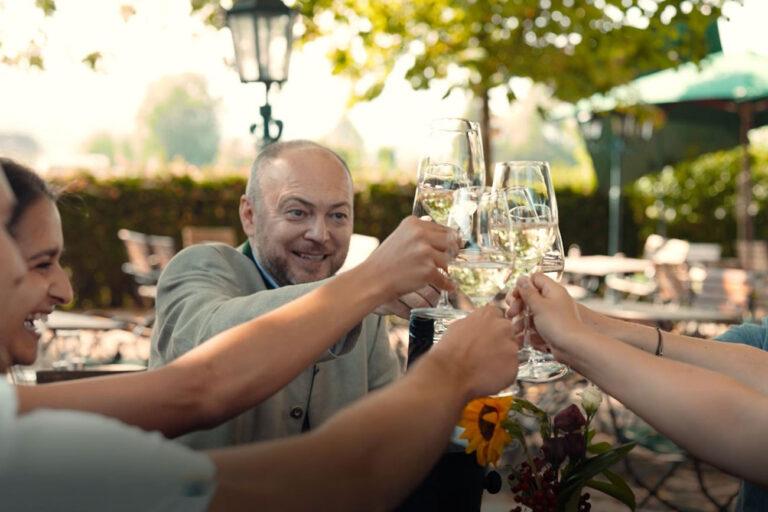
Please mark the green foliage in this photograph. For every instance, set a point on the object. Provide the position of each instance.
(181, 119)
(93, 211)
(92, 59)
(696, 199)
(47, 6)
(103, 143)
(576, 47)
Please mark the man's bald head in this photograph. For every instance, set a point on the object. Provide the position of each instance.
(273, 152)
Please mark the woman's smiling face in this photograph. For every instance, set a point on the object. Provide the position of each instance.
(15, 295)
(45, 285)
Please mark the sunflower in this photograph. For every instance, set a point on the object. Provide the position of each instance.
(482, 426)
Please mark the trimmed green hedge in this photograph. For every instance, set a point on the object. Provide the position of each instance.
(696, 200)
(94, 210)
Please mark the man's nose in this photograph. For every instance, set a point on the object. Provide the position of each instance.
(318, 231)
(61, 288)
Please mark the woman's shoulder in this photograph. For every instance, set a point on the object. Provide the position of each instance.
(92, 460)
(747, 333)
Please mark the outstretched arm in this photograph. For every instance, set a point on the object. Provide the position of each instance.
(695, 407)
(738, 361)
(246, 364)
(741, 362)
(370, 455)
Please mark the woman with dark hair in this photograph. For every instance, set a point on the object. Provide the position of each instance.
(78, 457)
(35, 224)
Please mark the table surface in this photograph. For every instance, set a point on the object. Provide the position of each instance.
(61, 320)
(600, 265)
(645, 311)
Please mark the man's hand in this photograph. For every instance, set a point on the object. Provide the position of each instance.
(478, 353)
(555, 315)
(423, 298)
(410, 258)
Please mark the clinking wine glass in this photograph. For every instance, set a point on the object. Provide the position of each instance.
(452, 160)
(534, 230)
(482, 268)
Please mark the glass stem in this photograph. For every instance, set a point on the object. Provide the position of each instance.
(534, 356)
(444, 302)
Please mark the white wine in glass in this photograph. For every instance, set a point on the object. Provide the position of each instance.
(480, 277)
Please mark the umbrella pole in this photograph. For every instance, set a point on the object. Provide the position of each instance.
(744, 229)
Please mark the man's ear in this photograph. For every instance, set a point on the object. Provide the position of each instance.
(246, 216)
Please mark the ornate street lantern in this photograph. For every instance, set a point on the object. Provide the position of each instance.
(262, 33)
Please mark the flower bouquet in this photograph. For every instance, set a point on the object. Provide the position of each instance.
(553, 478)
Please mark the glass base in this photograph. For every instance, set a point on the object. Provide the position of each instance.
(442, 317)
(439, 313)
(513, 390)
(538, 371)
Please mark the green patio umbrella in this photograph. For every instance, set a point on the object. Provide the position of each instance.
(706, 107)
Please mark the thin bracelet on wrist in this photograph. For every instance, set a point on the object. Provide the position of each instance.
(659, 343)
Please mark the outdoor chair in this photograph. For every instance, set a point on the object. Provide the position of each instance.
(163, 250)
(667, 282)
(628, 427)
(147, 256)
(753, 255)
(725, 289)
(191, 235)
(671, 271)
(139, 265)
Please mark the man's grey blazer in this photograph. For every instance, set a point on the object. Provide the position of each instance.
(206, 289)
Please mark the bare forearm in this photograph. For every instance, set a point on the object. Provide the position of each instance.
(366, 458)
(741, 362)
(230, 373)
(695, 407)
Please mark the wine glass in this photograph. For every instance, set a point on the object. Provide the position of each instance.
(534, 221)
(553, 262)
(482, 268)
(452, 160)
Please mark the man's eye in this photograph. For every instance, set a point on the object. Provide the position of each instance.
(296, 213)
(43, 266)
(339, 216)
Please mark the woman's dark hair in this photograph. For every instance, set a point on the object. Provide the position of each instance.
(27, 186)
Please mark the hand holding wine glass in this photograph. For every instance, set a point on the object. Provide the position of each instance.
(533, 213)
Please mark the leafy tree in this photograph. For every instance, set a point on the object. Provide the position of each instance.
(575, 47)
(102, 143)
(180, 118)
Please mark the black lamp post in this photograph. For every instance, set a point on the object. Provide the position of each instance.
(262, 32)
(619, 128)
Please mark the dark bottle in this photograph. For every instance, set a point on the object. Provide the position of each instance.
(421, 331)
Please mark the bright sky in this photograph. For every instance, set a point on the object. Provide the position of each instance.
(67, 102)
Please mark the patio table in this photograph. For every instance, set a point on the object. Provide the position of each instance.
(601, 265)
(657, 313)
(64, 320)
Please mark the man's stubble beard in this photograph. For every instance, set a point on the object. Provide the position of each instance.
(277, 265)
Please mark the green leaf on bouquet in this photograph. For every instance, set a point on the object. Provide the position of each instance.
(525, 407)
(585, 470)
(616, 487)
(514, 430)
(572, 505)
(599, 447)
